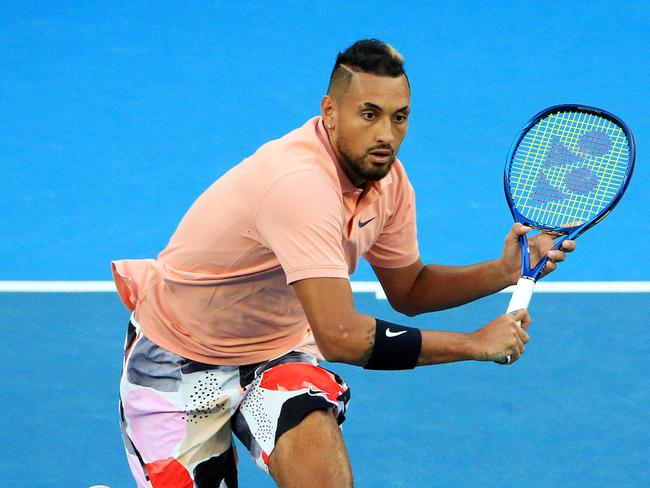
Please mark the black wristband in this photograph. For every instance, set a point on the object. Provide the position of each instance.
(396, 347)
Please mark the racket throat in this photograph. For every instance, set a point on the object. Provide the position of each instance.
(521, 294)
(525, 254)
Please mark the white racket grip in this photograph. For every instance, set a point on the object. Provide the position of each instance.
(521, 295)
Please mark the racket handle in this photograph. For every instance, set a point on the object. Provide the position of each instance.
(520, 299)
(521, 295)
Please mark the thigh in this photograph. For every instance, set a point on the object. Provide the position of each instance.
(279, 394)
(313, 453)
(175, 417)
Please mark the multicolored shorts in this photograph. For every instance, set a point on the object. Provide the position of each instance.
(178, 415)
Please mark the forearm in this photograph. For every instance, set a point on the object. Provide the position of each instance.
(384, 345)
(356, 343)
(344, 335)
(440, 287)
(446, 347)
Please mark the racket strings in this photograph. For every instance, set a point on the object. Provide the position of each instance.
(568, 168)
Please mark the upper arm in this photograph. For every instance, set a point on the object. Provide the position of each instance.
(398, 283)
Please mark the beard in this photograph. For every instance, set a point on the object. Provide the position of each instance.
(361, 166)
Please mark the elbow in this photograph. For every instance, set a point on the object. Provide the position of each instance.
(345, 339)
(332, 356)
(406, 309)
(409, 312)
(338, 349)
(332, 352)
(404, 305)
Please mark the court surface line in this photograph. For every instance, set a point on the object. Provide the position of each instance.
(357, 287)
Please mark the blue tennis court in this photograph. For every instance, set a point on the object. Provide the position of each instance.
(117, 117)
(573, 413)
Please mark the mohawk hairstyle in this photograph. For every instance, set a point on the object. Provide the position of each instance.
(368, 56)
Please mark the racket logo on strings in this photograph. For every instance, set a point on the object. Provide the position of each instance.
(576, 175)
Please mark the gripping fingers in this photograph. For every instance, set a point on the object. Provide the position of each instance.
(521, 317)
(554, 257)
(517, 349)
(558, 255)
(569, 246)
(518, 344)
(520, 320)
(522, 335)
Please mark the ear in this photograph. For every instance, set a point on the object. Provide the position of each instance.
(328, 111)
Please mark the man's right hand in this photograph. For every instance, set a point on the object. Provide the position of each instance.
(502, 337)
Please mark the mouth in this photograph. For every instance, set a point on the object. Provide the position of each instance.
(381, 156)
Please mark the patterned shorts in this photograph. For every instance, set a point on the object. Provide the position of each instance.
(178, 415)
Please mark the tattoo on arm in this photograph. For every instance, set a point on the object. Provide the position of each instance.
(370, 341)
(487, 357)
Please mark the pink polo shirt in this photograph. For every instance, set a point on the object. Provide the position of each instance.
(220, 292)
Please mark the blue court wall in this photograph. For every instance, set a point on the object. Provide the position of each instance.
(115, 118)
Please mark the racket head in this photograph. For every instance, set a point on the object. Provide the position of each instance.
(568, 168)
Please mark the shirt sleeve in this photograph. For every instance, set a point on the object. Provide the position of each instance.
(397, 245)
(301, 220)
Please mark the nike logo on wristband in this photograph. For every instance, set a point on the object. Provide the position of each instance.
(390, 333)
(363, 224)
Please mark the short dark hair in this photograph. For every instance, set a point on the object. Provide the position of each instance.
(368, 56)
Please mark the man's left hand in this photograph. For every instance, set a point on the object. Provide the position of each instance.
(540, 245)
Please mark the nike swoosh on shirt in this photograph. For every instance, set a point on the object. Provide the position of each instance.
(363, 224)
(390, 333)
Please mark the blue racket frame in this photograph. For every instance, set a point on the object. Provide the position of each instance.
(566, 232)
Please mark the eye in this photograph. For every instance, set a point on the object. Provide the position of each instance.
(400, 118)
(369, 115)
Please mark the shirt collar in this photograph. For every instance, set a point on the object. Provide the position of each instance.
(346, 185)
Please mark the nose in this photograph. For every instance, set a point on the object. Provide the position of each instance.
(385, 133)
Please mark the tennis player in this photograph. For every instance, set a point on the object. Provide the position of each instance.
(230, 322)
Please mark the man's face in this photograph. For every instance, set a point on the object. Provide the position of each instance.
(369, 124)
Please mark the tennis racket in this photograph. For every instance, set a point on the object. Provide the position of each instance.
(567, 169)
